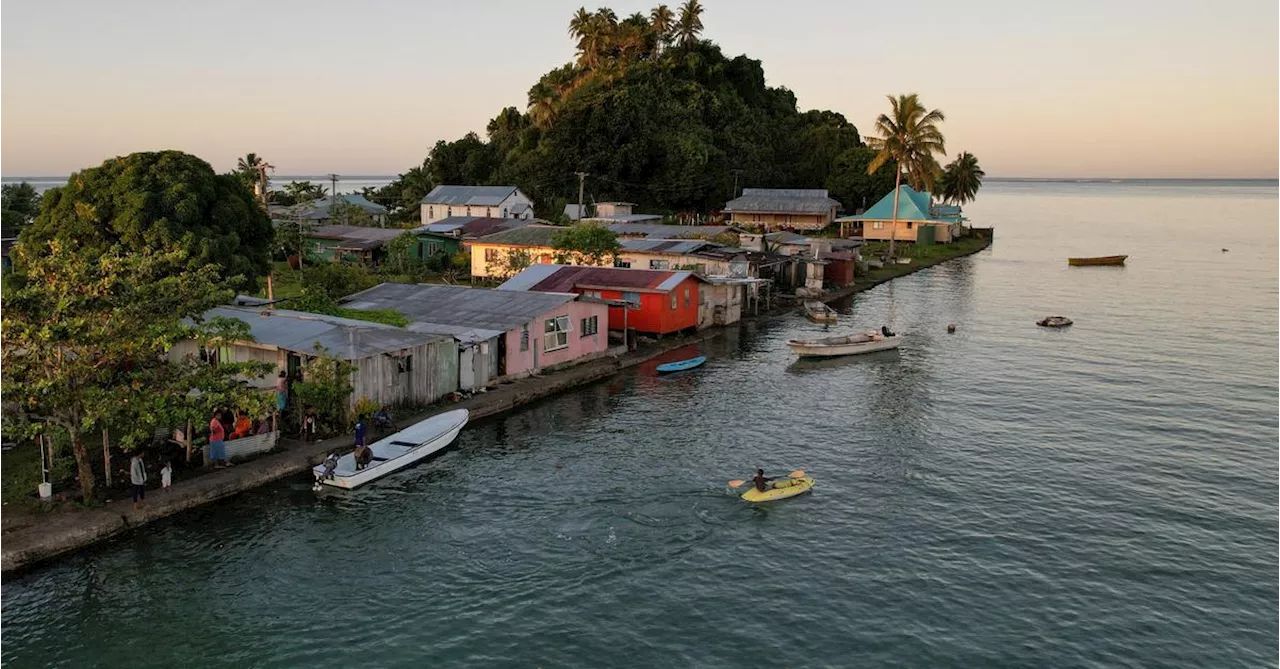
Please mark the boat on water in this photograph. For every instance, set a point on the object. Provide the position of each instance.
(1099, 261)
(818, 312)
(395, 452)
(1054, 322)
(867, 342)
(681, 365)
(780, 490)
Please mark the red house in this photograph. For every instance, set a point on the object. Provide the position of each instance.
(658, 301)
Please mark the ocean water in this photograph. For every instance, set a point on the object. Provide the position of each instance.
(1102, 495)
(346, 184)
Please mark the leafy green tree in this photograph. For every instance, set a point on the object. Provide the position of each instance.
(909, 136)
(327, 388)
(20, 204)
(305, 191)
(86, 339)
(346, 213)
(146, 201)
(663, 23)
(586, 244)
(404, 195)
(850, 183)
(961, 179)
(511, 263)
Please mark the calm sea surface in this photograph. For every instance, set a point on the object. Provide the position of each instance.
(1099, 496)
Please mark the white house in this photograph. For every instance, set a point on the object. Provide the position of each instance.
(480, 201)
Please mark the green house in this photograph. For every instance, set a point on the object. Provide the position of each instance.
(432, 244)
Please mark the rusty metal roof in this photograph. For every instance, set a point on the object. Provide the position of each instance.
(565, 278)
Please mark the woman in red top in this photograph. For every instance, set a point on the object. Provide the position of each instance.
(217, 449)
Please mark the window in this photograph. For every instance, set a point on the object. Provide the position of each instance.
(675, 301)
(878, 225)
(591, 293)
(908, 225)
(491, 255)
(621, 263)
(556, 333)
(431, 212)
(590, 326)
(633, 299)
(504, 212)
(404, 364)
(658, 264)
(686, 297)
(524, 338)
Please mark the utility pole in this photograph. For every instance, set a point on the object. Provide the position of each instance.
(582, 177)
(333, 187)
(734, 194)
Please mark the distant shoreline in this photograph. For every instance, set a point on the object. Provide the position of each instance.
(392, 177)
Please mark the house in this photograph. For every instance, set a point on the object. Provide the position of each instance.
(350, 242)
(649, 301)
(486, 201)
(393, 365)
(499, 334)
(321, 212)
(8, 239)
(787, 208)
(432, 244)
(490, 254)
(619, 212)
(918, 220)
(451, 235)
(663, 254)
(660, 231)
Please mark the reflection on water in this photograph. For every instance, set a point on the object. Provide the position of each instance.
(1100, 496)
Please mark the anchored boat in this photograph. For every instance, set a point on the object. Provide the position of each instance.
(819, 312)
(1054, 322)
(396, 452)
(1096, 262)
(867, 342)
(681, 365)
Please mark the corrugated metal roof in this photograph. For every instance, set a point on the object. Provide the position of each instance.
(443, 305)
(913, 205)
(673, 246)
(354, 236)
(472, 195)
(782, 201)
(322, 209)
(472, 227)
(624, 218)
(528, 235)
(344, 337)
(669, 231)
(564, 278)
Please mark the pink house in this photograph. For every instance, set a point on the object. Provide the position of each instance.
(499, 333)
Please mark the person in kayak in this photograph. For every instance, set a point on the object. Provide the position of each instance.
(761, 480)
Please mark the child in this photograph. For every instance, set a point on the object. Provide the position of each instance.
(166, 475)
(309, 426)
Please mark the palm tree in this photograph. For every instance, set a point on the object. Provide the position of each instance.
(662, 21)
(961, 179)
(908, 135)
(579, 27)
(690, 25)
(542, 104)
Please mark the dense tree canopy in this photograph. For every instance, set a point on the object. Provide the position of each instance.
(961, 179)
(586, 244)
(655, 115)
(147, 201)
(20, 204)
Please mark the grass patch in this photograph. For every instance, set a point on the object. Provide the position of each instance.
(920, 255)
(384, 316)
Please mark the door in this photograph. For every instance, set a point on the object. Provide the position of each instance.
(501, 354)
(466, 368)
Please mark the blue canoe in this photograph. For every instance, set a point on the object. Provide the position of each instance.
(682, 365)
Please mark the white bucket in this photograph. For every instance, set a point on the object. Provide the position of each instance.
(46, 490)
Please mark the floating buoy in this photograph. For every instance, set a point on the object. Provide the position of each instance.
(1224, 250)
(951, 328)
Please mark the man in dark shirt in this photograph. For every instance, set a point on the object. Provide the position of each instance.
(363, 454)
(760, 480)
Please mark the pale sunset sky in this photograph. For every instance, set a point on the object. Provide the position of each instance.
(1090, 88)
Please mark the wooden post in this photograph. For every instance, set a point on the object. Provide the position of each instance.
(190, 440)
(271, 293)
(106, 455)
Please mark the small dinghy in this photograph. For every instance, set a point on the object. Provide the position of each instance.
(681, 365)
(1054, 322)
(1100, 261)
(867, 342)
(396, 452)
(818, 312)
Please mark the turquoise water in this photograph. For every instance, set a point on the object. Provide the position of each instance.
(1103, 495)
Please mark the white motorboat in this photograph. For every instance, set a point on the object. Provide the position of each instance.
(396, 451)
(819, 312)
(868, 342)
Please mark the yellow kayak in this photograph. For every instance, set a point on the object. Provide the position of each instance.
(781, 489)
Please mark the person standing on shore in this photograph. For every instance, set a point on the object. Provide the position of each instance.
(282, 391)
(217, 449)
(166, 475)
(138, 477)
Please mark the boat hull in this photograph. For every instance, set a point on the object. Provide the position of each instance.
(828, 348)
(400, 450)
(780, 490)
(682, 365)
(819, 312)
(1100, 261)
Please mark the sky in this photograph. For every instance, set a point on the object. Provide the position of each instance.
(1089, 88)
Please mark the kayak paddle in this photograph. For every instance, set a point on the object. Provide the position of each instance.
(797, 474)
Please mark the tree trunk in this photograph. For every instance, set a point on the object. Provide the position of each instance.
(87, 480)
(106, 456)
(893, 230)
